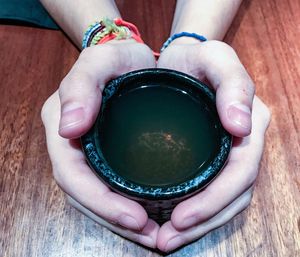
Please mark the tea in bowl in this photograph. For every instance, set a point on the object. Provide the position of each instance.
(157, 139)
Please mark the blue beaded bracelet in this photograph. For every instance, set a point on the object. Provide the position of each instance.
(182, 34)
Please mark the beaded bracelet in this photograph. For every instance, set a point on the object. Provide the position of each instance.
(182, 34)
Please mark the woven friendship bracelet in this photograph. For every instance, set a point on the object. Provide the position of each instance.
(182, 34)
(119, 29)
(90, 32)
(107, 29)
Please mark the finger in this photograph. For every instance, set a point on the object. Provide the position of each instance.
(169, 238)
(80, 91)
(237, 176)
(147, 236)
(76, 178)
(220, 65)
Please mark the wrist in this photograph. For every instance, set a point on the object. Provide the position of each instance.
(209, 18)
(184, 38)
(108, 30)
(122, 41)
(75, 16)
(184, 41)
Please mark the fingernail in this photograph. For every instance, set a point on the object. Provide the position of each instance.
(147, 241)
(190, 221)
(71, 114)
(240, 114)
(128, 222)
(173, 243)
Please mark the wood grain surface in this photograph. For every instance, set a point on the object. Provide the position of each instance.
(36, 220)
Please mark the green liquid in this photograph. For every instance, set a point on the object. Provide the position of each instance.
(157, 136)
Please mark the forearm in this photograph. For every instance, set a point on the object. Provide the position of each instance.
(210, 18)
(75, 16)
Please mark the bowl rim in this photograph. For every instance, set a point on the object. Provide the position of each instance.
(117, 183)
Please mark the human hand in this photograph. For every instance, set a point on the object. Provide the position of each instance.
(229, 194)
(69, 113)
(231, 191)
(218, 63)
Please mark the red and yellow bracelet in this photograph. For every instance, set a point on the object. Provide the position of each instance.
(107, 29)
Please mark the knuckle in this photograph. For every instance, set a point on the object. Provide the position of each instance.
(56, 174)
(59, 177)
(248, 89)
(251, 177)
(242, 78)
(47, 108)
(241, 82)
(264, 112)
(76, 82)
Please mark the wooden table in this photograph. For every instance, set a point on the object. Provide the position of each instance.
(35, 219)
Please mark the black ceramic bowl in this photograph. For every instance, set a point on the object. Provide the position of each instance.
(157, 139)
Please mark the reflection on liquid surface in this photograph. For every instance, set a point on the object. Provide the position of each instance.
(157, 135)
(160, 154)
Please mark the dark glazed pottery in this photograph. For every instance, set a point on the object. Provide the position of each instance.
(160, 195)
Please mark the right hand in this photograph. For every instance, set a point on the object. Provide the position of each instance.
(69, 113)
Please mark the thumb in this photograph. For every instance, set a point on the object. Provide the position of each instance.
(218, 63)
(80, 91)
(80, 98)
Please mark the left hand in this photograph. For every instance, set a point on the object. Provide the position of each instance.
(231, 191)
(69, 113)
(218, 63)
